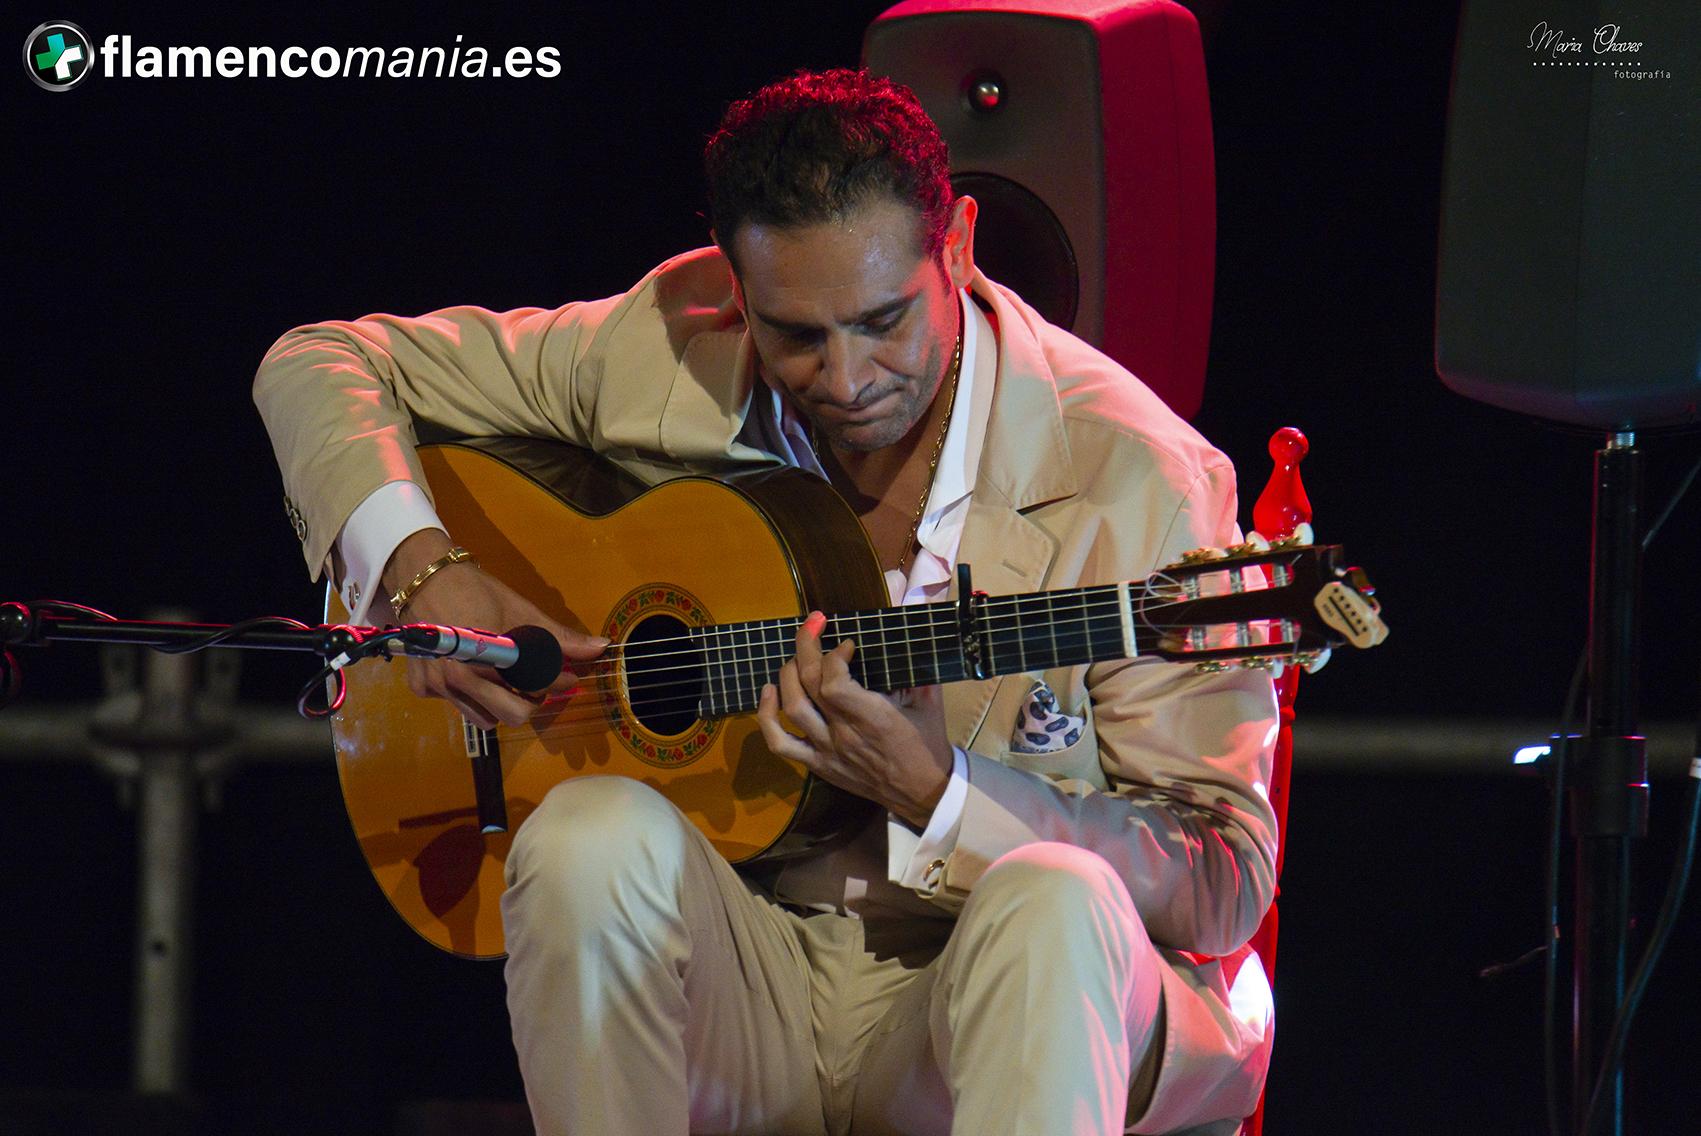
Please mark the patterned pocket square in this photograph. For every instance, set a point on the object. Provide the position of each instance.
(1041, 727)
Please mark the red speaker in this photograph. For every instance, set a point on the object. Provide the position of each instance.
(1084, 131)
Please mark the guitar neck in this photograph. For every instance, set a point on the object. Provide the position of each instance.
(924, 644)
(1209, 612)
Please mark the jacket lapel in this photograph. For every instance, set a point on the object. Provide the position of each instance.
(1025, 461)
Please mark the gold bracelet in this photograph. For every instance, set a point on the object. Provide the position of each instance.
(404, 594)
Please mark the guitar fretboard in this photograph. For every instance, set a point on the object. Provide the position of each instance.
(923, 644)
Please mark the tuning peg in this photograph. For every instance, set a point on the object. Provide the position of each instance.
(1201, 556)
(1210, 668)
(1301, 537)
(1314, 661)
(1356, 616)
(1254, 544)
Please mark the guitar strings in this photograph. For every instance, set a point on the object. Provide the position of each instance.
(725, 668)
(598, 692)
(600, 686)
(590, 713)
(720, 640)
(724, 652)
(718, 637)
(590, 709)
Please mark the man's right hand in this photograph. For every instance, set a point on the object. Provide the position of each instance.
(462, 595)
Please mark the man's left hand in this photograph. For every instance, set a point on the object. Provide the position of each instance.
(891, 749)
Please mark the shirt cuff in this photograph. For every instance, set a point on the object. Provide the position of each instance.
(390, 514)
(918, 862)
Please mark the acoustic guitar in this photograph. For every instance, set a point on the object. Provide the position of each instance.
(700, 584)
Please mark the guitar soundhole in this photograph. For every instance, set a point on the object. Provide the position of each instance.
(664, 675)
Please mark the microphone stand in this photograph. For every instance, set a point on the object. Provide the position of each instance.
(163, 732)
(338, 644)
(165, 751)
(24, 625)
(49, 621)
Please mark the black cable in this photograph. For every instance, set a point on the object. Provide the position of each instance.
(225, 634)
(1555, 844)
(71, 608)
(378, 644)
(1619, 1036)
(1659, 522)
(333, 702)
(1613, 1056)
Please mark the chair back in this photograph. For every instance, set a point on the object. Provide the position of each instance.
(1281, 508)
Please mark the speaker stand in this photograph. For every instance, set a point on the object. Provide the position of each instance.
(1609, 791)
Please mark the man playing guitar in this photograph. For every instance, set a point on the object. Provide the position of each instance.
(1028, 937)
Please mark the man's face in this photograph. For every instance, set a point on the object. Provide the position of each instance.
(852, 319)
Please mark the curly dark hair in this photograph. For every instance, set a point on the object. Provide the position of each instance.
(820, 145)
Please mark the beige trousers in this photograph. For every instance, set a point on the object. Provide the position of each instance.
(652, 993)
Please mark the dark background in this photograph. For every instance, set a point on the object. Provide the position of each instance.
(159, 235)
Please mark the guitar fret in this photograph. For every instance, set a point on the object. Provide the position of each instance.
(1082, 651)
(924, 652)
(881, 650)
(726, 670)
(767, 633)
(1052, 635)
(755, 665)
(730, 676)
(734, 675)
(946, 659)
(909, 654)
(868, 647)
(835, 631)
(761, 664)
(1021, 642)
(873, 662)
(1033, 616)
(756, 651)
(750, 684)
(698, 638)
(1108, 640)
(924, 673)
(884, 647)
(1002, 637)
(785, 643)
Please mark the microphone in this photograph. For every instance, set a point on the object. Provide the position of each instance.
(528, 658)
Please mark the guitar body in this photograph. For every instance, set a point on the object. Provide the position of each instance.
(598, 551)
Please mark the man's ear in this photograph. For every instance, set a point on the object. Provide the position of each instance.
(960, 241)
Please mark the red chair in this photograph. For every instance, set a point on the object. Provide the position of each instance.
(1281, 508)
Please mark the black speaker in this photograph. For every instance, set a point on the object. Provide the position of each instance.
(1569, 283)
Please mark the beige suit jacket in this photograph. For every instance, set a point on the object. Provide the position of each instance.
(1085, 477)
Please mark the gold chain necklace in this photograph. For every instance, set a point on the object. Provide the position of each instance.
(932, 462)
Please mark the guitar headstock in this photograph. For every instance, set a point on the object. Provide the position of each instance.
(1259, 604)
